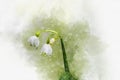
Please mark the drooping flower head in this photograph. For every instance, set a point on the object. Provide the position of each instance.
(46, 48)
(52, 40)
(34, 41)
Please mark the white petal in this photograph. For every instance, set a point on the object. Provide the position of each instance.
(46, 49)
(34, 41)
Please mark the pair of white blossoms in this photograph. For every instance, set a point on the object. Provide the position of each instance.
(46, 48)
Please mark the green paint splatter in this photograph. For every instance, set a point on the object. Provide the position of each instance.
(76, 37)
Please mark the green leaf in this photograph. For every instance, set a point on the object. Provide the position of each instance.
(67, 76)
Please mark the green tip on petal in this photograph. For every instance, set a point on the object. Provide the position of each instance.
(37, 33)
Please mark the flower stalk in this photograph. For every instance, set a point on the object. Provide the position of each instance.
(66, 66)
(67, 74)
(48, 50)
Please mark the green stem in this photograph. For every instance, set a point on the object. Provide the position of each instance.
(64, 56)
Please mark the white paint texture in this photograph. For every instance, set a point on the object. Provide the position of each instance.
(102, 15)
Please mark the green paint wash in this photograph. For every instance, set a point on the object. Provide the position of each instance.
(76, 37)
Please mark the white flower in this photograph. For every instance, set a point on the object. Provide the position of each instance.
(52, 40)
(46, 49)
(34, 41)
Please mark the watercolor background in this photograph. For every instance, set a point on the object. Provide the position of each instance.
(102, 15)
